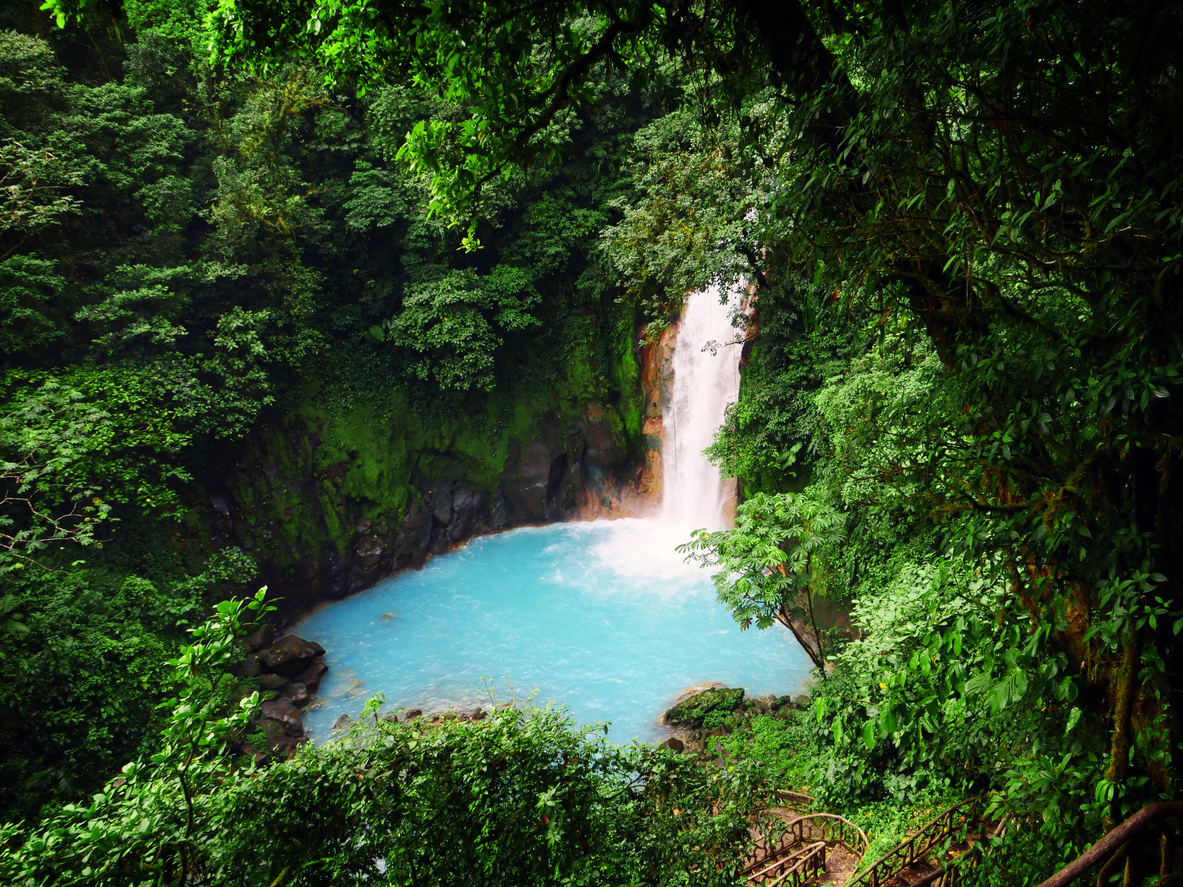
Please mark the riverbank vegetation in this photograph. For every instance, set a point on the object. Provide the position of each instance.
(961, 228)
(522, 796)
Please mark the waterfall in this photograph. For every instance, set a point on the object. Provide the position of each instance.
(706, 380)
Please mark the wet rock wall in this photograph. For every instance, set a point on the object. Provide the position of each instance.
(330, 497)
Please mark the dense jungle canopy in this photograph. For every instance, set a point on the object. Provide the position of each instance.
(230, 228)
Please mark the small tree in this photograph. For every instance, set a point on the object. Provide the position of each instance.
(766, 563)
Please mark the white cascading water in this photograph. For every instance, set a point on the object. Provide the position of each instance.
(706, 380)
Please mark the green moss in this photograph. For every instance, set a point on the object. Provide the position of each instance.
(353, 442)
(692, 712)
(718, 717)
(627, 375)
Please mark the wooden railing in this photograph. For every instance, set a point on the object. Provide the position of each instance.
(828, 827)
(793, 869)
(800, 853)
(1111, 850)
(918, 848)
(811, 830)
(794, 799)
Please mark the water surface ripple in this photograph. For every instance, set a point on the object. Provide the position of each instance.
(602, 617)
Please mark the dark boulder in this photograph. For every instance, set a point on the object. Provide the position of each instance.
(297, 694)
(259, 638)
(367, 552)
(271, 681)
(466, 512)
(275, 733)
(290, 655)
(335, 584)
(441, 504)
(524, 481)
(600, 452)
(499, 515)
(285, 746)
(282, 711)
(675, 743)
(313, 674)
(414, 534)
(220, 505)
(250, 667)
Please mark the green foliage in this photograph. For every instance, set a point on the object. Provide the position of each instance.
(31, 85)
(84, 666)
(780, 745)
(178, 20)
(201, 237)
(378, 198)
(144, 825)
(790, 750)
(887, 823)
(553, 231)
(772, 436)
(518, 797)
(459, 152)
(938, 685)
(717, 718)
(964, 232)
(764, 566)
(26, 307)
(454, 324)
(191, 266)
(689, 221)
(32, 180)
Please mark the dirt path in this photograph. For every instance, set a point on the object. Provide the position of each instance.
(840, 865)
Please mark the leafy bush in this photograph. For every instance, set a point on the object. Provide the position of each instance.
(519, 797)
(782, 746)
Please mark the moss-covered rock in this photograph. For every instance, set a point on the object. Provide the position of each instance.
(692, 711)
(357, 474)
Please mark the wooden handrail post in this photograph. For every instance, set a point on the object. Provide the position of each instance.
(1113, 841)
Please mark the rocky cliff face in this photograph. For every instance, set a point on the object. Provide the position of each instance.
(329, 500)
